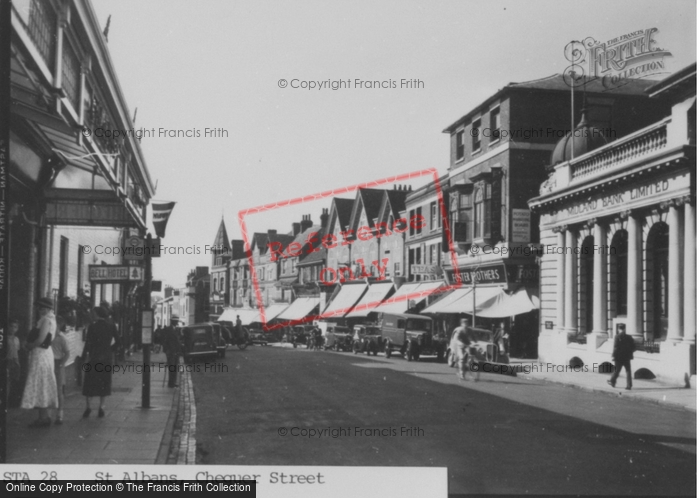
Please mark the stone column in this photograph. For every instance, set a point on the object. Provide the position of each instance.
(634, 278)
(561, 280)
(675, 277)
(600, 281)
(689, 267)
(571, 294)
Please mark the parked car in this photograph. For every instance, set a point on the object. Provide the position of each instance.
(202, 340)
(410, 335)
(341, 338)
(258, 336)
(367, 339)
(300, 335)
(482, 349)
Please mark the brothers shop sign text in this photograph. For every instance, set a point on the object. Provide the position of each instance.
(498, 273)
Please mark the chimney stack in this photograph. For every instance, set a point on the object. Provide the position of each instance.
(306, 222)
(324, 217)
(296, 229)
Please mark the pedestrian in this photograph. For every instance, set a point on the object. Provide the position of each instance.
(102, 339)
(158, 339)
(61, 354)
(14, 386)
(623, 354)
(40, 389)
(173, 350)
(461, 340)
(239, 328)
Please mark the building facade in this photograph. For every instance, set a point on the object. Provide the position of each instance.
(617, 226)
(76, 192)
(499, 156)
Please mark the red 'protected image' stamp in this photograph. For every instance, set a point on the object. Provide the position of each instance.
(351, 259)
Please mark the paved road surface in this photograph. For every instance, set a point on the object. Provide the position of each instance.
(499, 435)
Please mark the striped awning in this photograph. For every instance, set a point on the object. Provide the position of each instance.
(374, 295)
(346, 298)
(299, 308)
(408, 296)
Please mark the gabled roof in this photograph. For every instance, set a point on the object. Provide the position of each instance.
(368, 200)
(393, 204)
(314, 258)
(259, 240)
(556, 83)
(282, 238)
(221, 239)
(318, 256)
(340, 212)
(303, 237)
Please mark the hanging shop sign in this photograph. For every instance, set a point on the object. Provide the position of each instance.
(115, 273)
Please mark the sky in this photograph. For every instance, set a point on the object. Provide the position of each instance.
(217, 64)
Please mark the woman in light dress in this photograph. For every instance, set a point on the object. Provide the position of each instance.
(40, 390)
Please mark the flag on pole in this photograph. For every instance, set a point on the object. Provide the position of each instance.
(161, 213)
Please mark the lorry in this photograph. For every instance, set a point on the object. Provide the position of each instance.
(410, 335)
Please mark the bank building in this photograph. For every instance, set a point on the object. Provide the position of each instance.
(617, 228)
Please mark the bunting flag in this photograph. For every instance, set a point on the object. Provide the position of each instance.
(161, 213)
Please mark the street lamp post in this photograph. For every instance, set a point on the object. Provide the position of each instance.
(146, 376)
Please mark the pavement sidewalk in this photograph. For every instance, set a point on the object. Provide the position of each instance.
(128, 434)
(652, 391)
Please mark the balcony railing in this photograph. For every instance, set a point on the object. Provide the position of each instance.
(642, 143)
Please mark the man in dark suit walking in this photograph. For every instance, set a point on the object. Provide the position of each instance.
(623, 354)
(173, 350)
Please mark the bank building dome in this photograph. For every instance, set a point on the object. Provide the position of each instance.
(586, 138)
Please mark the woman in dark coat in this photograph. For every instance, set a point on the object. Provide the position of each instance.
(101, 340)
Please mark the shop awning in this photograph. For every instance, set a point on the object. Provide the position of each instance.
(374, 295)
(299, 308)
(274, 310)
(346, 298)
(504, 305)
(462, 300)
(398, 303)
(247, 315)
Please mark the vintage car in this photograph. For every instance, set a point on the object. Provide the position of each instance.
(202, 340)
(482, 349)
(367, 339)
(300, 335)
(258, 336)
(410, 335)
(340, 338)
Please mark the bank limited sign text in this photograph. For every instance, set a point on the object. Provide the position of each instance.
(613, 202)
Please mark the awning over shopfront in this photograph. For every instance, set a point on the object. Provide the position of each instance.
(346, 298)
(299, 308)
(504, 305)
(274, 310)
(462, 300)
(247, 315)
(375, 294)
(398, 303)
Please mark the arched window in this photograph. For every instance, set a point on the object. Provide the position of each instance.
(618, 273)
(657, 278)
(586, 292)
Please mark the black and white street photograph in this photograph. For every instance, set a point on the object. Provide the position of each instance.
(354, 248)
